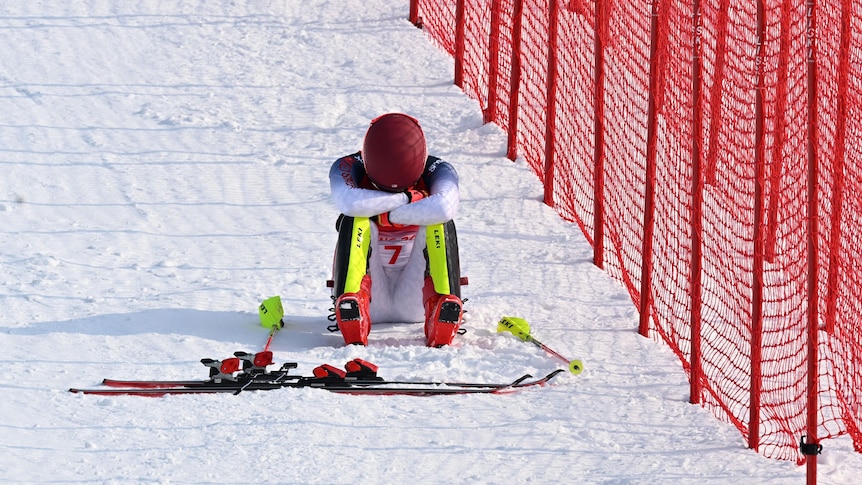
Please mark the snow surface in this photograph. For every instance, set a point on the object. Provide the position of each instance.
(164, 169)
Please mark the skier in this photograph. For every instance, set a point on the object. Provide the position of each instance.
(396, 259)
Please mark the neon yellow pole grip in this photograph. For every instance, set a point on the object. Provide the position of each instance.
(271, 312)
(516, 326)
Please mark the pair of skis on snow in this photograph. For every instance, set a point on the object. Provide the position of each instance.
(251, 372)
(359, 377)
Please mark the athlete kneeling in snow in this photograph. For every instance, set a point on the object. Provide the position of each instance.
(396, 260)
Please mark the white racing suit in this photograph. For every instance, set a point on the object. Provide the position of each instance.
(396, 261)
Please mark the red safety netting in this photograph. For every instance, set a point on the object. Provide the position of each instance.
(679, 143)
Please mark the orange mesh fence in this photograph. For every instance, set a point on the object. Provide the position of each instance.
(710, 151)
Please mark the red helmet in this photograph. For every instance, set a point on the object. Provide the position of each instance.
(394, 152)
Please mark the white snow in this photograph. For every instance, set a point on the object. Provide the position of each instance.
(164, 169)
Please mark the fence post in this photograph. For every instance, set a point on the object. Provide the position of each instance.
(515, 80)
(697, 204)
(599, 30)
(551, 89)
(813, 237)
(490, 112)
(655, 67)
(414, 13)
(755, 383)
(459, 43)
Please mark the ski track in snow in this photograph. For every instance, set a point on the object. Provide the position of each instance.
(165, 169)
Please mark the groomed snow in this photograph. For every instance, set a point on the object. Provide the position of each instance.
(164, 169)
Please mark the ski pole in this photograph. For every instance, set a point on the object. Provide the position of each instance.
(521, 329)
(272, 331)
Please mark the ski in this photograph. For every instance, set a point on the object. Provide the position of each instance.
(352, 381)
(342, 386)
(225, 378)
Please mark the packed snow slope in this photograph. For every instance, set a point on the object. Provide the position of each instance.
(164, 169)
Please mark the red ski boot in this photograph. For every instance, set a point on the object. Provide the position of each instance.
(351, 313)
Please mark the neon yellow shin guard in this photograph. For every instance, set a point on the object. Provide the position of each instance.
(438, 263)
(357, 259)
(441, 250)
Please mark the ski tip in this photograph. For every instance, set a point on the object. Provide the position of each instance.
(576, 367)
